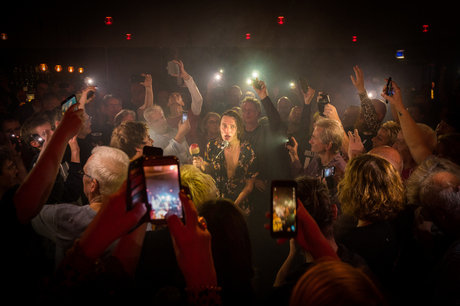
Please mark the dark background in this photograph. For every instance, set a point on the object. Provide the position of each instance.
(315, 41)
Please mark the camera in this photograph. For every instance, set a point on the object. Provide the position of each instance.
(323, 100)
(290, 141)
(16, 141)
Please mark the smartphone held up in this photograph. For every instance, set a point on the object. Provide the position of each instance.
(283, 209)
(155, 182)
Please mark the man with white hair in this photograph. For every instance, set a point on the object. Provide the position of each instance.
(171, 140)
(103, 174)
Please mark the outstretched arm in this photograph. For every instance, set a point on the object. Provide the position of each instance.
(412, 134)
(149, 98)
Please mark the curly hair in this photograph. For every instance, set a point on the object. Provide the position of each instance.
(128, 136)
(371, 189)
(201, 185)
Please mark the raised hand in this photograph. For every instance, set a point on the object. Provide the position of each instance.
(358, 82)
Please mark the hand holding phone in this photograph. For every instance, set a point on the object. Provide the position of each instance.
(389, 89)
(67, 103)
(283, 209)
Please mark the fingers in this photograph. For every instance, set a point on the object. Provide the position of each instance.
(191, 214)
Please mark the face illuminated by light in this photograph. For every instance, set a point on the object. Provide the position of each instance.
(228, 129)
(381, 139)
(317, 146)
(250, 112)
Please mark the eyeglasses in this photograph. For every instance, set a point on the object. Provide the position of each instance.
(82, 174)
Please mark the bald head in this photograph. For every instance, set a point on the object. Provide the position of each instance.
(380, 108)
(391, 155)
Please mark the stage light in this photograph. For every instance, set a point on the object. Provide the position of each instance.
(108, 20)
(217, 76)
(355, 38)
(249, 81)
(58, 68)
(292, 84)
(400, 54)
(43, 67)
(80, 70)
(221, 70)
(128, 36)
(248, 35)
(88, 81)
(4, 36)
(280, 19)
(70, 69)
(255, 74)
(425, 28)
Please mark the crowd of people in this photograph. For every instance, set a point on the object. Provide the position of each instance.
(378, 200)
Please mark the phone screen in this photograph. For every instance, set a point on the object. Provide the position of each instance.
(162, 182)
(68, 103)
(284, 210)
(184, 117)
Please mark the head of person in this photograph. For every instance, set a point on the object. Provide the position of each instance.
(131, 137)
(371, 189)
(234, 95)
(327, 136)
(8, 170)
(251, 110)
(416, 111)
(231, 248)
(295, 115)
(435, 186)
(284, 106)
(155, 118)
(314, 195)
(387, 134)
(350, 115)
(316, 117)
(124, 115)
(175, 99)
(104, 172)
(34, 129)
(429, 138)
(448, 147)
(51, 100)
(210, 124)
(380, 109)
(390, 154)
(231, 126)
(336, 283)
(202, 186)
(21, 95)
(11, 126)
(137, 94)
(448, 124)
(111, 105)
(40, 88)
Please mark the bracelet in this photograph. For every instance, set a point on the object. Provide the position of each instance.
(204, 295)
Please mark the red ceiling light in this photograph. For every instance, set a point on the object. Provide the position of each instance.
(425, 28)
(108, 20)
(280, 19)
(4, 36)
(70, 69)
(128, 36)
(355, 38)
(248, 35)
(58, 68)
(43, 67)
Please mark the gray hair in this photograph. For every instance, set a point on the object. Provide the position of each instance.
(421, 188)
(122, 114)
(109, 166)
(152, 109)
(332, 133)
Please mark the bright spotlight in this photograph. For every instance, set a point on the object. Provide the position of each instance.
(255, 74)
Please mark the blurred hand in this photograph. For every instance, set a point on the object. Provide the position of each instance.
(308, 96)
(261, 185)
(358, 82)
(192, 246)
(293, 149)
(331, 112)
(147, 81)
(184, 128)
(84, 99)
(182, 71)
(72, 122)
(262, 92)
(197, 162)
(355, 145)
(396, 98)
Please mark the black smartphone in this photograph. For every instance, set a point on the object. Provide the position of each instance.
(173, 68)
(290, 142)
(68, 103)
(283, 209)
(135, 188)
(324, 99)
(389, 89)
(162, 187)
(153, 151)
(184, 116)
(303, 84)
(137, 78)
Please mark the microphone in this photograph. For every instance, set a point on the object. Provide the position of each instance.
(223, 145)
(194, 150)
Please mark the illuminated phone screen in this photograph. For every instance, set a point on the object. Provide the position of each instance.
(284, 209)
(162, 189)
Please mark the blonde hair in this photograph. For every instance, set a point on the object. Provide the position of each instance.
(392, 129)
(371, 189)
(202, 186)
